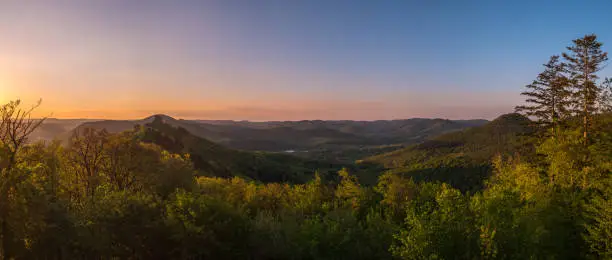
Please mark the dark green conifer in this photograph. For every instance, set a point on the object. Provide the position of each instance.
(584, 60)
(605, 102)
(548, 97)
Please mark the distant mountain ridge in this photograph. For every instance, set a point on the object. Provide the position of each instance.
(54, 128)
(462, 158)
(311, 138)
(212, 159)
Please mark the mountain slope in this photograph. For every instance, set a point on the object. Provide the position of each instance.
(238, 137)
(52, 128)
(213, 159)
(461, 158)
(378, 132)
(343, 141)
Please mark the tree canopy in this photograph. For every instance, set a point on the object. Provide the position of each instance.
(498, 191)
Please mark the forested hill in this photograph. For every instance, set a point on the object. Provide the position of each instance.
(375, 132)
(211, 159)
(53, 128)
(161, 190)
(296, 135)
(462, 158)
(341, 141)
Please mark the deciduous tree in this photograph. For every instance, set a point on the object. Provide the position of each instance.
(16, 125)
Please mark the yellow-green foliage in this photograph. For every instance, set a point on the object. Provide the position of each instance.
(113, 196)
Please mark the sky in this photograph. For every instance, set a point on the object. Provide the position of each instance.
(284, 60)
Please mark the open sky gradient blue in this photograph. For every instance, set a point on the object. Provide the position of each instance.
(473, 55)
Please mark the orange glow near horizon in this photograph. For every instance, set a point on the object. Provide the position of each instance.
(281, 61)
(105, 63)
(5, 93)
(89, 97)
(264, 111)
(3, 96)
(63, 97)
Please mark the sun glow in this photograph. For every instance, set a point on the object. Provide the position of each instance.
(6, 89)
(3, 92)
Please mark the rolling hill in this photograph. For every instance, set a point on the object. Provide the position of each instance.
(379, 131)
(461, 158)
(212, 159)
(55, 128)
(343, 141)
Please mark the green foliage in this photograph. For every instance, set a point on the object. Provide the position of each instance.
(211, 159)
(598, 213)
(205, 227)
(336, 141)
(396, 192)
(548, 96)
(439, 225)
(497, 191)
(527, 209)
(605, 99)
(117, 224)
(463, 158)
(584, 60)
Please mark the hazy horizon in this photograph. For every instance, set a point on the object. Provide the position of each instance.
(279, 60)
(248, 120)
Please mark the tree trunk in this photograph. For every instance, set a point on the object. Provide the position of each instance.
(585, 120)
(6, 236)
(585, 126)
(4, 212)
(554, 118)
(5, 241)
(586, 97)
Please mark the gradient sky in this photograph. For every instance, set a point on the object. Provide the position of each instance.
(284, 60)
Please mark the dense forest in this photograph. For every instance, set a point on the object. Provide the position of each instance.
(340, 141)
(535, 184)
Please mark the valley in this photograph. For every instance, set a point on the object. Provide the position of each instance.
(272, 130)
(339, 141)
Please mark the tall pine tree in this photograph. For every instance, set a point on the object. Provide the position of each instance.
(605, 102)
(548, 97)
(584, 60)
